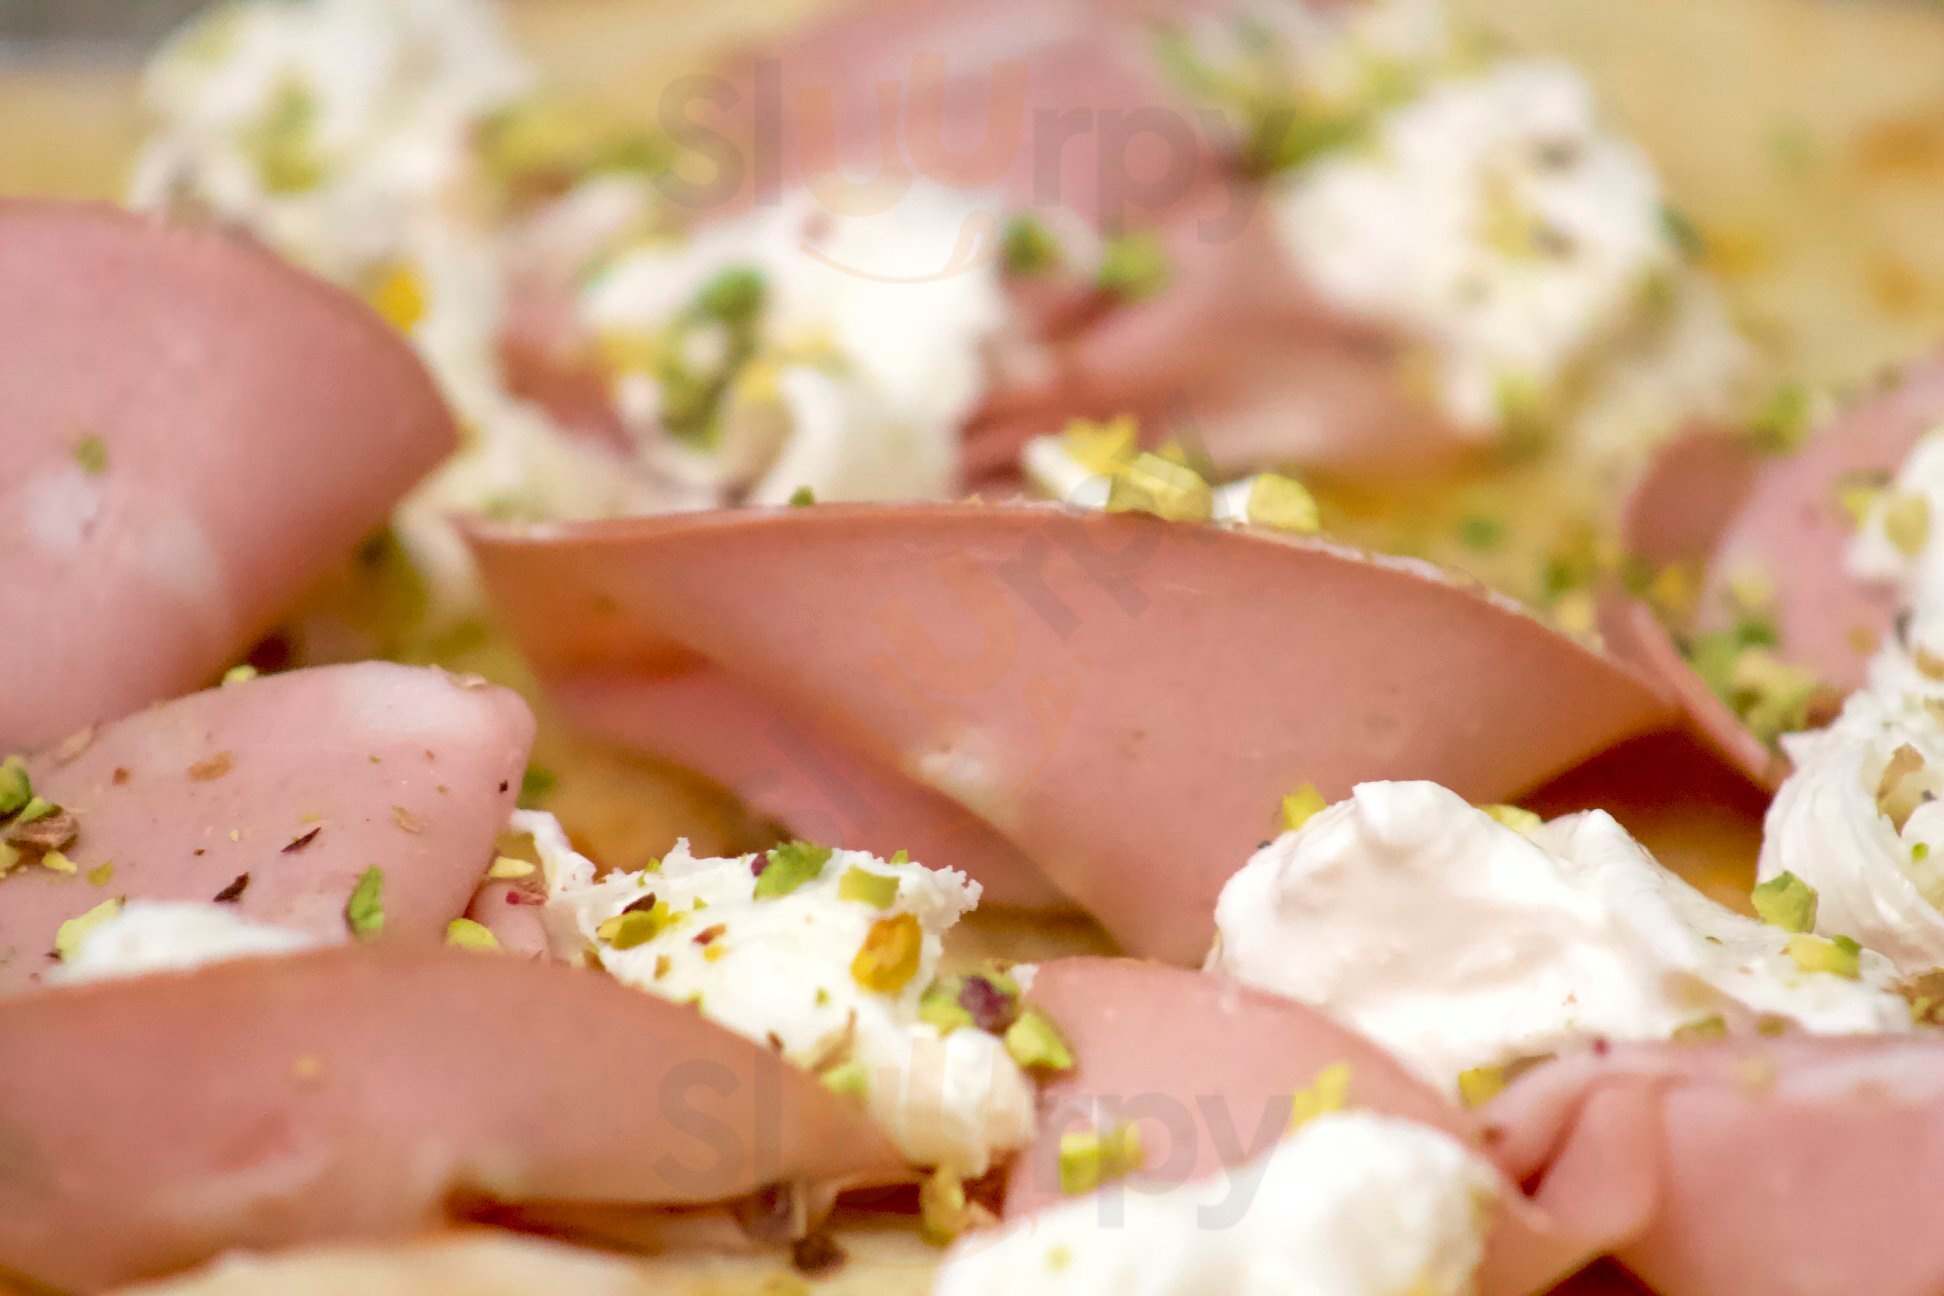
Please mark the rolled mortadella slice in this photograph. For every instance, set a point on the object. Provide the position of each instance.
(1778, 523)
(1206, 1068)
(196, 432)
(370, 1094)
(1124, 700)
(1778, 1165)
(1211, 1074)
(278, 795)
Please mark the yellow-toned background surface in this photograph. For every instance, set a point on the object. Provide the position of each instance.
(1804, 137)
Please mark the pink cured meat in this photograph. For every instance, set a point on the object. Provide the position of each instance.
(1780, 1167)
(1118, 696)
(297, 783)
(196, 432)
(365, 1094)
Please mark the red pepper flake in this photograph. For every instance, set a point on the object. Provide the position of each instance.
(406, 820)
(642, 905)
(208, 771)
(817, 1255)
(300, 841)
(505, 784)
(120, 776)
(708, 934)
(992, 1009)
(758, 863)
(512, 897)
(234, 891)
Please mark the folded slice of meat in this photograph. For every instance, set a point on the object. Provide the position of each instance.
(1785, 1167)
(278, 794)
(786, 769)
(1204, 1066)
(368, 1094)
(1714, 502)
(1125, 700)
(196, 431)
(1210, 1071)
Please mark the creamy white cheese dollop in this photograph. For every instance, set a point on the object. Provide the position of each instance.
(1858, 819)
(323, 124)
(1461, 943)
(865, 356)
(1350, 1205)
(1498, 223)
(147, 936)
(779, 970)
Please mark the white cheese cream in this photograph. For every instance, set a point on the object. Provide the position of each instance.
(1522, 246)
(855, 355)
(1858, 819)
(147, 936)
(1461, 943)
(782, 970)
(1350, 1205)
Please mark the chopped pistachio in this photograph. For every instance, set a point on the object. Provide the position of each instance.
(1907, 523)
(940, 1006)
(1919, 852)
(850, 1079)
(282, 142)
(1102, 448)
(239, 674)
(1328, 1093)
(1301, 806)
(1839, 955)
(899, 857)
(1786, 901)
(9, 858)
(91, 454)
(1782, 424)
(467, 934)
(1283, 504)
(733, 296)
(1857, 495)
(1036, 1042)
(1133, 267)
(102, 873)
(1091, 1158)
(632, 927)
(1153, 484)
(1479, 532)
(55, 862)
(1480, 1085)
(506, 866)
(1682, 232)
(1903, 786)
(878, 890)
(16, 789)
(802, 497)
(789, 866)
(535, 785)
(1771, 696)
(1702, 1030)
(1517, 818)
(37, 808)
(364, 912)
(890, 954)
(942, 1207)
(72, 933)
(1027, 247)
(1524, 414)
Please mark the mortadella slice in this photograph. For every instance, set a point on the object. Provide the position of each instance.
(1714, 502)
(787, 770)
(1206, 1067)
(1209, 1071)
(195, 432)
(362, 1094)
(1125, 700)
(1781, 1167)
(277, 794)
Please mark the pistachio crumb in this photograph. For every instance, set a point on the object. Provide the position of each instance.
(1090, 1158)
(1786, 901)
(1328, 1093)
